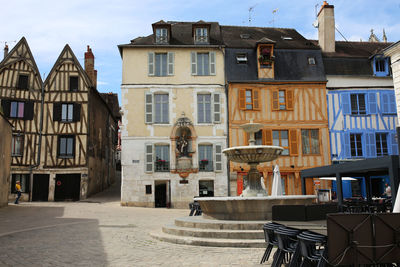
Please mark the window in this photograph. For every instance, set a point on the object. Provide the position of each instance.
(311, 61)
(156, 108)
(310, 141)
(259, 138)
(358, 104)
(281, 138)
(66, 146)
(17, 109)
(249, 99)
(388, 102)
(17, 145)
(356, 145)
(241, 58)
(161, 108)
(204, 108)
(161, 36)
(203, 64)
(206, 158)
(73, 83)
(162, 158)
(148, 189)
(201, 35)
(266, 57)
(24, 182)
(381, 66)
(67, 111)
(206, 188)
(161, 64)
(23, 81)
(282, 99)
(381, 144)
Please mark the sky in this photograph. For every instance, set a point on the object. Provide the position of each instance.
(49, 25)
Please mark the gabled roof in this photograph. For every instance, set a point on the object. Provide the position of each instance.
(356, 49)
(59, 61)
(13, 57)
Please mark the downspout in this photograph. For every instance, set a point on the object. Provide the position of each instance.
(39, 142)
(228, 176)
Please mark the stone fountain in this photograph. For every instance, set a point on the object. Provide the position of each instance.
(253, 204)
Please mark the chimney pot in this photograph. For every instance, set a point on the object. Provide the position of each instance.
(89, 66)
(5, 50)
(326, 28)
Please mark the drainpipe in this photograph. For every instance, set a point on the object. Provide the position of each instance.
(39, 142)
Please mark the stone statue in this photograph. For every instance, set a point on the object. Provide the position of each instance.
(182, 145)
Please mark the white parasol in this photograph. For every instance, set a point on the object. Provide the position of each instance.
(396, 207)
(276, 183)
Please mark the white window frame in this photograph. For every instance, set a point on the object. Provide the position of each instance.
(211, 63)
(152, 62)
(161, 35)
(201, 35)
(150, 108)
(67, 112)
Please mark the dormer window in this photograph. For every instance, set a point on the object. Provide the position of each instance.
(266, 58)
(381, 66)
(311, 61)
(161, 36)
(241, 58)
(201, 36)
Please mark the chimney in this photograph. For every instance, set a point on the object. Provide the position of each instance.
(5, 50)
(326, 28)
(89, 66)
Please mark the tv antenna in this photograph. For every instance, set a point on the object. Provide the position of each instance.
(273, 17)
(7, 42)
(251, 9)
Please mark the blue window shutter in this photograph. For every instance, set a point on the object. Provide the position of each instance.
(346, 145)
(392, 103)
(372, 103)
(393, 141)
(371, 145)
(384, 103)
(346, 103)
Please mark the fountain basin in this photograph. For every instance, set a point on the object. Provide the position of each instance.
(253, 154)
(247, 208)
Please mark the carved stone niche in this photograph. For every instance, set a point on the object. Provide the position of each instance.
(183, 139)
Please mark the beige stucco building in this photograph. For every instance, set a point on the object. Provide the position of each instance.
(174, 122)
(5, 158)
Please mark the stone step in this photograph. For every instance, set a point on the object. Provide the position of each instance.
(200, 223)
(209, 242)
(213, 233)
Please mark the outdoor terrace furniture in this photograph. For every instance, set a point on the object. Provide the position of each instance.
(195, 209)
(303, 212)
(312, 248)
(287, 246)
(270, 239)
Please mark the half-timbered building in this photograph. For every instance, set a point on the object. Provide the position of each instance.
(276, 77)
(5, 155)
(62, 126)
(361, 101)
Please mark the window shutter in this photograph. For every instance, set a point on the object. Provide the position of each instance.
(394, 145)
(371, 145)
(218, 157)
(149, 108)
(246, 138)
(149, 157)
(171, 56)
(293, 147)
(289, 99)
(346, 103)
(242, 98)
(268, 137)
(6, 107)
(372, 103)
(392, 103)
(275, 99)
(212, 63)
(193, 59)
(217, 107)
(385, 103)
(256, 99)
(151, 64)
(28, 110)
(77, 112)
(346, 145)
(57, 112)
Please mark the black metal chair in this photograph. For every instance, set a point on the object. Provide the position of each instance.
(192, 210)
(270, 239)
(287, 247)
(312, 248)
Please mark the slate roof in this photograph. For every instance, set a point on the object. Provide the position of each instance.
(352, 58)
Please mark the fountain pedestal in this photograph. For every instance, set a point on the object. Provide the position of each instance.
(254, 188)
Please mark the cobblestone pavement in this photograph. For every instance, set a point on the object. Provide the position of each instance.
(99, 232)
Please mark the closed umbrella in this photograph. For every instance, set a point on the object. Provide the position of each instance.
(396, 207)
(276, 183)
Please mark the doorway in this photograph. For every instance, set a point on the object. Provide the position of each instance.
(67, 187)
(160, 195)
(40, 190)
(206, 188)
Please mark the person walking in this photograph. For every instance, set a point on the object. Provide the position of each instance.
(18, 189)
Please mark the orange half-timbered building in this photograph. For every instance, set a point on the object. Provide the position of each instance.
(276, 78)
